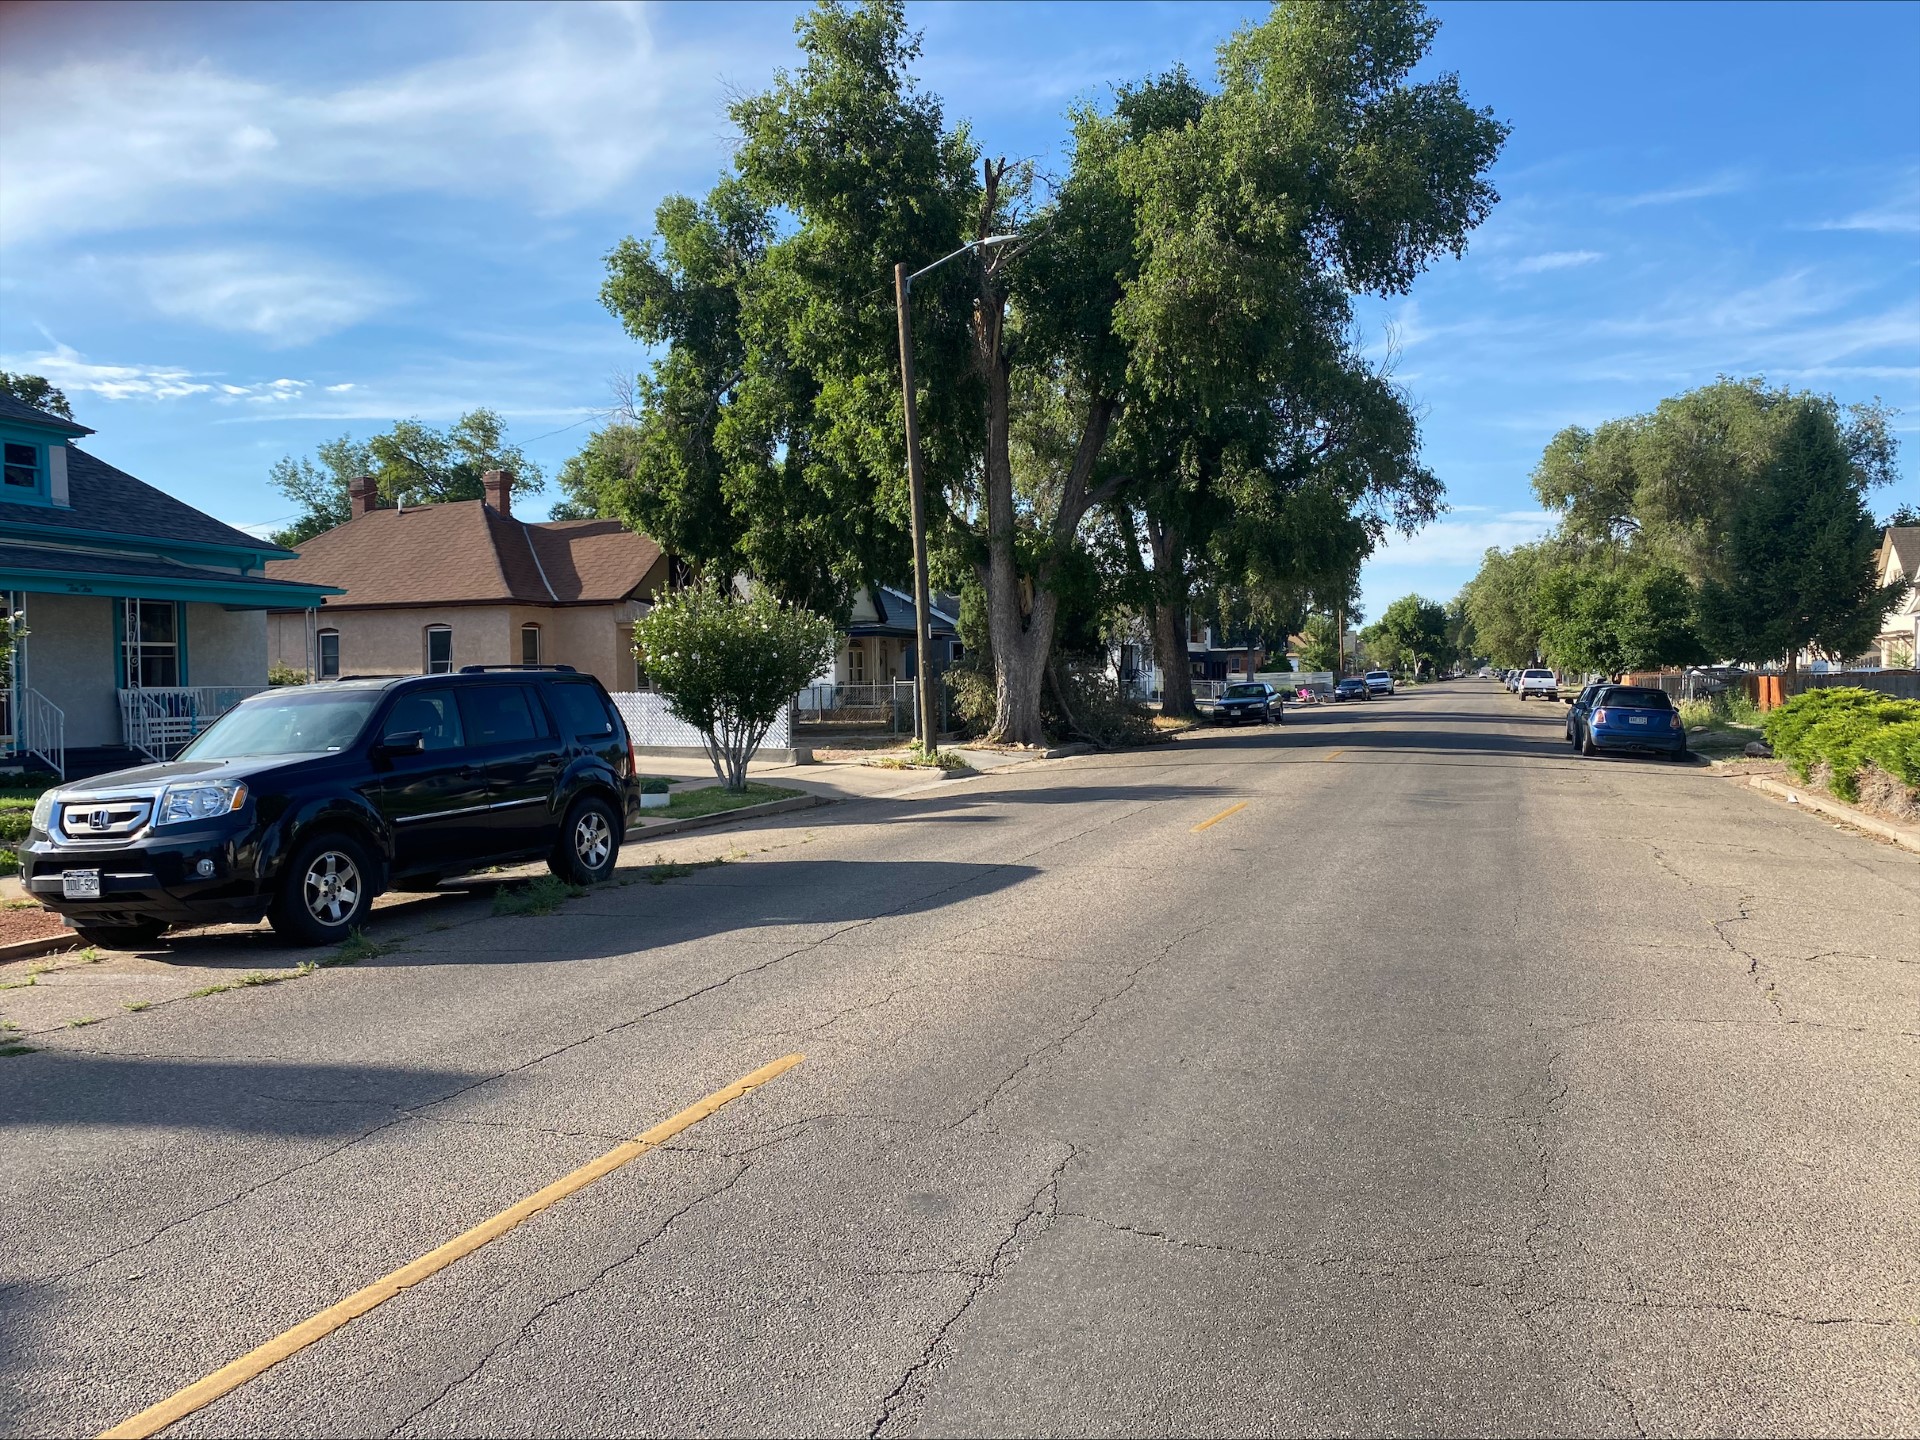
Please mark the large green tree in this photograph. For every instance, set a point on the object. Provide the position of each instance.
(1608, 616)
(1799, 571)
(1199, 255)
(1411, 632)
(415, 464)
(1502, 602)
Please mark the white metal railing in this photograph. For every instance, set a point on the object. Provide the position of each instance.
(40, 729)
(159, 722)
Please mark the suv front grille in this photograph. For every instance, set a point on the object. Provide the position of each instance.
(85, 820)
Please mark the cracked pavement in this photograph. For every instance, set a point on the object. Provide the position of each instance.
(1457, 1085)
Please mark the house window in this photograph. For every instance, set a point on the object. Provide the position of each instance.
(150, 644)
(329, 654)
(856, 664)
(529, 644)
(23, 466)
(439, 649)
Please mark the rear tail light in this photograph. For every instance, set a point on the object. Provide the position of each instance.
(633, 760)
(1673, 720)
(1599, 717)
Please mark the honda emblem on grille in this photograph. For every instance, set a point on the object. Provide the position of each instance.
(100, 819)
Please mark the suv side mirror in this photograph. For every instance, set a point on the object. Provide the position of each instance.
(402, 742)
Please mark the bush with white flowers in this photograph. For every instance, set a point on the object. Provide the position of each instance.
(727, 665)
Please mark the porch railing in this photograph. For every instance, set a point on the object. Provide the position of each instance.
(159, 722)
(37, 728)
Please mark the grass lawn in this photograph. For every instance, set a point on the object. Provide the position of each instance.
(713, 800)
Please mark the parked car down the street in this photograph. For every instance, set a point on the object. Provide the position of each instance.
(301, 804)
(1379, 682)
(1249, 700)
(1632, 717)
(1537, 684)
(1351, 688)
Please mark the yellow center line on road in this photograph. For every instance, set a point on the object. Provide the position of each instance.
(255, 1362)
(1333, 755)
(1231, 809)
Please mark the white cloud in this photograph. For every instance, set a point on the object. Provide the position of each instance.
(71, 371)
(1727, 182)
(340, 389)
(559, 106)
(1461, 542)
(1899, 215)
(284, 299)
(1555, 260)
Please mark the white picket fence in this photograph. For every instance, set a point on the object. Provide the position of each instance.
(652, 725)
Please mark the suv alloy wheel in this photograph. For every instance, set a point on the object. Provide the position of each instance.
(589, 843)
(325, 892)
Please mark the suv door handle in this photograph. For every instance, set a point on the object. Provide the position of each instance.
(468, 772)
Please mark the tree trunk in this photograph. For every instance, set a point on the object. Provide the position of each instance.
(1170, 623)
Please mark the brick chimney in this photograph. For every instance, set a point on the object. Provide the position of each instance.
(364, 492)
(499, 487)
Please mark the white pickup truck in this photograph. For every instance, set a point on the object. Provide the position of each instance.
(1537, 683)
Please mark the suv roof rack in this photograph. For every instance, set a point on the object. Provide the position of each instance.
(482, 669)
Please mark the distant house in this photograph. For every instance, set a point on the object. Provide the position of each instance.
(878, 647)
(427, 589)
(1898, 642)
(145, 618)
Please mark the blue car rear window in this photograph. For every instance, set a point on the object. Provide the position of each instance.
(1626, 698)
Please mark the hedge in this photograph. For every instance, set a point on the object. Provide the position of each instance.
(1843, 728)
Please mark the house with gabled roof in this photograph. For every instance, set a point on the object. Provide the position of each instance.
(422, 589)
(1898, 642)
(141, 619)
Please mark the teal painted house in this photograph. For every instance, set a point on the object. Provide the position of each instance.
(144, 618)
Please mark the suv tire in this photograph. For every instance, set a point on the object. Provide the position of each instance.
(122, 937)
(325, 891)
(589, 843)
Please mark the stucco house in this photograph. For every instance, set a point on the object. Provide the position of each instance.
(1898, 643)
(144, 618)
(425, 589)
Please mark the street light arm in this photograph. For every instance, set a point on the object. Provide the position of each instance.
(971, 244)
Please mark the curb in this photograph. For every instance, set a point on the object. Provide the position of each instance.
(1905, 836)
(726, 817)
(27, 949)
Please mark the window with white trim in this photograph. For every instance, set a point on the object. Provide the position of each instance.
(150, 644)
(439, 650)
(529, 644)
(329, 658)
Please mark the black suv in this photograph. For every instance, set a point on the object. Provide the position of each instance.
(303, 803)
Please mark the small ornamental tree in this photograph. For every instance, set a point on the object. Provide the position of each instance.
(726, 666)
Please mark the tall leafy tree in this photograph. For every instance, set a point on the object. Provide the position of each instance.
(1608, 617)
(414, 463)
(1502, 600)
(1191, 226)
(1800, 571)
(1413, 631)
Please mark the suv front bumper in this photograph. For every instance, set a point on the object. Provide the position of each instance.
(151, 878)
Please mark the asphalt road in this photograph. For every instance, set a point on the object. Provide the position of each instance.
(1451, 1084)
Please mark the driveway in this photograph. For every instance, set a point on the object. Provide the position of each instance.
(1392, 1070)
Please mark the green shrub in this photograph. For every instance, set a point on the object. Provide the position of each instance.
(655, 785)
(1842, 728)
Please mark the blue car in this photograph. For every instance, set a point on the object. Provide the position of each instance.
(1631, 717)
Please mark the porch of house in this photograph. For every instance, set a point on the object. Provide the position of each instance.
(100, 682)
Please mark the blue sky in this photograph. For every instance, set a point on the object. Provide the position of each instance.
(231, 232)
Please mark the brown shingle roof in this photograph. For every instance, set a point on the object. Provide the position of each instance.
(467, 553)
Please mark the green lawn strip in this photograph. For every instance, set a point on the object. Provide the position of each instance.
(715, 800)
(920, 760)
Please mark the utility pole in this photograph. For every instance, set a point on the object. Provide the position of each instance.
(926, 718)
(926, 724)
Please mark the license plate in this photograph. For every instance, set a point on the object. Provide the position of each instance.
(80, 884)
(1636, 719)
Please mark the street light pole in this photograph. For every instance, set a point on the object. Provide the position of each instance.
(926, 719)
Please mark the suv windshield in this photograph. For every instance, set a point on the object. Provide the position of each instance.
(289, 724)
(1246, 692)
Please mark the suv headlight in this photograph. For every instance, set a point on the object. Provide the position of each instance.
(201, 800)
(43, 813)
